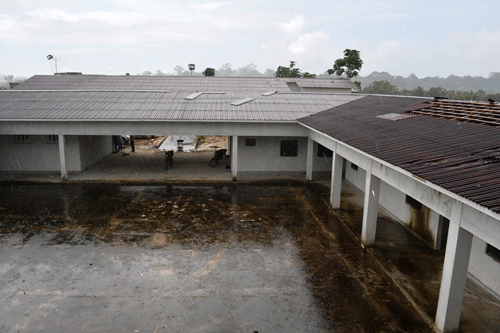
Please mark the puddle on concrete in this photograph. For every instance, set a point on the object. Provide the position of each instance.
(348, 293)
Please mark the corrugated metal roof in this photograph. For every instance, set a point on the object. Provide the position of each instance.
(177, 83)
(325, 83)
(123, 105)
(458, 156)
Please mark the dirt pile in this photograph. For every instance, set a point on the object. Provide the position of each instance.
(208, 142)
(212, 142)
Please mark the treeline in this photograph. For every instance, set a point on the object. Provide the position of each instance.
(386, 88)
(490, 84)
(249, 70)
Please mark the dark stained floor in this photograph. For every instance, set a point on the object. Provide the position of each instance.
(211, 258)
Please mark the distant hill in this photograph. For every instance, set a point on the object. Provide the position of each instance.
(489, 84)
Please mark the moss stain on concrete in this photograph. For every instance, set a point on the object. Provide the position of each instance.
(419, 222)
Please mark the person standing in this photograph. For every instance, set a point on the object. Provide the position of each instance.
(132, 143)
(116, 148)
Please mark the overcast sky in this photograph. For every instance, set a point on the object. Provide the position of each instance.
(428, 38)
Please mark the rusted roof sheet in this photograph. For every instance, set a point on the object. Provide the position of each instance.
(463, 111)
(147, 105)
(462, 157)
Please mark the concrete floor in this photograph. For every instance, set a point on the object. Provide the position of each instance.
(246, 258)
(409, 265)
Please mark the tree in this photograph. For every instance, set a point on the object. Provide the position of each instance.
(9, 78)
(225, 70)
(146, 73)
(51, 57)
(180, 71)
(249, 70)
(309, 75)
(208, 72)
(291, 71)
(350, 64)
(383, 87)
(191, 68)
(159, 73)
(269, 72)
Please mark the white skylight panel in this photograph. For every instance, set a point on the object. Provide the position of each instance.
(269, 93)
(242, 101)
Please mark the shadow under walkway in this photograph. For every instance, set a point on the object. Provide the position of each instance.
(416, 268)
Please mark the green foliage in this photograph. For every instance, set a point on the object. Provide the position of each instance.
(489, 84)
(208, 72)
(8, 78)
(381, 87)
(384, 87)
(350, 64)
(309, 75)
(291, 71)
(191, 68)
(51, 57)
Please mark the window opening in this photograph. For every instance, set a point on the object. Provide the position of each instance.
(414, 203)
(493, 252)
(52, 138)
(21, 138)
(289, 148)
(250, 142)
(324, 152)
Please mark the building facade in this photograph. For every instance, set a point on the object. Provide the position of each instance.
(433, 164)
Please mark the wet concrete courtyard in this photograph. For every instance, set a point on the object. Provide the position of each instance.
(210, 258)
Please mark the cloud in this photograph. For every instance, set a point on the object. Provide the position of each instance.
(210, 6)
(294, 26)
(309, 42)
(311, 50)
(458, 53)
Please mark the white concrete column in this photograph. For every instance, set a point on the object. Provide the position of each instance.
(372, 187)
(456, 263)
(336, 184)
(234, 157)
(62, 157)
(310, 154)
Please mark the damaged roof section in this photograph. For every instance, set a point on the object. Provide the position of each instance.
(463, 111)
(462, 157)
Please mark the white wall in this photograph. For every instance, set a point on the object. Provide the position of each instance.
(424, 222)
(37, 154)
(265, 155)
(483, 267)
(93, 149)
